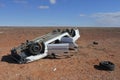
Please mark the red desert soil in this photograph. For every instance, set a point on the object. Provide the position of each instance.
(79, 67)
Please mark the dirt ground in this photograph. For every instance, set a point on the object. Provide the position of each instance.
(80, 66)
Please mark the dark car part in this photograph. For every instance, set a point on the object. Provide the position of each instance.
(107, 65)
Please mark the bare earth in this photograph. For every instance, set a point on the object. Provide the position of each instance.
(79, 67)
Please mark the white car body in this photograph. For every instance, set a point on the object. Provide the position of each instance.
(66, 41)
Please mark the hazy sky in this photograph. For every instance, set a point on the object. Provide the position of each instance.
(60, 13)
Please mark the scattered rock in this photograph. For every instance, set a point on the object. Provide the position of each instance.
(95, 43)
(54, 69)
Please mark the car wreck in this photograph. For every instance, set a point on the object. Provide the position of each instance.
(54, 43)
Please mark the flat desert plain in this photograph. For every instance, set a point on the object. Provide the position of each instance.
(80, 66)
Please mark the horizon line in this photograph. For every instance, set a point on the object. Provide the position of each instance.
(61, 26)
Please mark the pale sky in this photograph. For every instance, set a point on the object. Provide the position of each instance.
(94, 13)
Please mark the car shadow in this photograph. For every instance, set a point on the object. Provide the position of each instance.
(56, 57)
(49, 57)
(8, 59)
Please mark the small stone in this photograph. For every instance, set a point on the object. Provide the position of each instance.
(54, 69)
(95, 43)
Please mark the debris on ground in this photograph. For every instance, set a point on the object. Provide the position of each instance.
(95, 42)
(105, 65)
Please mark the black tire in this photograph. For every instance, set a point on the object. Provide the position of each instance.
(107, 65)
(36, 48)
(72, 32)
